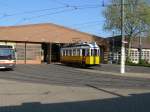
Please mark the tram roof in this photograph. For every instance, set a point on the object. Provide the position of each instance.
(82, 45)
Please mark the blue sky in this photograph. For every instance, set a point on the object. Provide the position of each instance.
(82, 15)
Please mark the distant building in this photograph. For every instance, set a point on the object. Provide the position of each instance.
(135, 51)
(115, 49)
(39, 43)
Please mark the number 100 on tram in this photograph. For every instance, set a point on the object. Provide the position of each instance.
(84, 54)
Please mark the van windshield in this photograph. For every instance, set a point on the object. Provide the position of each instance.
(6, 53)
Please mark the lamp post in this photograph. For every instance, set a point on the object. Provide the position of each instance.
(122, 66)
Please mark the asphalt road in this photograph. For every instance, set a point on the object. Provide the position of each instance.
(58, 74)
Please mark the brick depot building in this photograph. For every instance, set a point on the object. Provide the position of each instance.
(39, 43)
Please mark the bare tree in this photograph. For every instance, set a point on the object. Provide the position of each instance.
(136, 20)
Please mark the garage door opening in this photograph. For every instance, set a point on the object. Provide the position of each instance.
(44, 53)
(50, 52)
(55, 54)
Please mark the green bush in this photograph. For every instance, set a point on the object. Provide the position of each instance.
(141, 63)
(128, 61)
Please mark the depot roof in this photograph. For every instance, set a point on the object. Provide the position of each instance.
(43, 33)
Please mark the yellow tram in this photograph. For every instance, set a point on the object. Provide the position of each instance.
(84, 54)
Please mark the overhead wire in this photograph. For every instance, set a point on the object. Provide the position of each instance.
(5, 15)
(86, 23)
(31, 12)
(57, 12)
(61, 11)
(65, 5)
(2, 3)
(71, 8)
(61, 3)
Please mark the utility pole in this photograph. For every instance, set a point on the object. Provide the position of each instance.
(140, 49)
(140, 45)
(113, 46)
(122, 66)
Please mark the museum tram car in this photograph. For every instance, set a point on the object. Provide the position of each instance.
(83, 54)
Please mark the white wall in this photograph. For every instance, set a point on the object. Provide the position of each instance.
(134, 55)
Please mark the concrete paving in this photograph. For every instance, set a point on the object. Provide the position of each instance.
(16, 93)
(13, 93)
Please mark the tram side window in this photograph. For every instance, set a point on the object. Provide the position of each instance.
(92, 52)
(87, 53)
(66, 52)
(98, 51)
(78, 52)
(63, 52)
(95, 52)
(70, 52)
(83, 52)
(74, 52)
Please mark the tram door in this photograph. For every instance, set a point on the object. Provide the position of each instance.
(94, 54)
(83, 56)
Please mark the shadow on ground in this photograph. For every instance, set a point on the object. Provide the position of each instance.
(76, 66)
(132, 103)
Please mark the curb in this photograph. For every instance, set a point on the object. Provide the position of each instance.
(127, 74)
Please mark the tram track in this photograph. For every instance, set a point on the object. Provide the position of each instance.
(63, 75)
